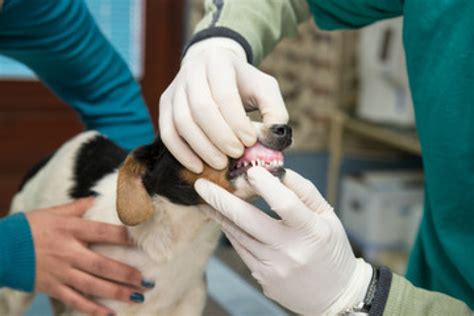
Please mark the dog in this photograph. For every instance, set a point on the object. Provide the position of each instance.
(151, 193)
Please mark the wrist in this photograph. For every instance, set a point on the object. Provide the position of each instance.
(227, 44)
(356, 289)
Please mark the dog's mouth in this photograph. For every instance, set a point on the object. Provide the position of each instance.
(257, 155)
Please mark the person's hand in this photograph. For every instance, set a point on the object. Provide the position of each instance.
(303, 260)
(68, 271)
(203, 111)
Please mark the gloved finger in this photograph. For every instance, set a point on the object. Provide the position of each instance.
(244, 215)
(248, 258)
(306, 191)
(207, 116)
(170, 137)
(193, 135)
(226, 95)
(256, 248)
(262, 92)
(281, 199)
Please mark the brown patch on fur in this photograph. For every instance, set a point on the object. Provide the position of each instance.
(134, 205)
(219, 177)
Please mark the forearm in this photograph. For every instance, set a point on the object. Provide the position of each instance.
(61, 43)
(257, 25)
(17, 257)
(406, 299)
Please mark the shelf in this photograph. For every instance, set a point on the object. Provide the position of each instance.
(402, 139)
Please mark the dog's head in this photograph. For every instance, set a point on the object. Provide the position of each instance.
(151, 171)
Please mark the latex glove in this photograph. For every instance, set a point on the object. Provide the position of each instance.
(203, 111)
(67, 270)
(303, 260)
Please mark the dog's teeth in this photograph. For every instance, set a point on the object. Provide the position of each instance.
(246, 163)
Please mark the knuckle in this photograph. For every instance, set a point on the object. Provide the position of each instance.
(181, 120)
(75, 303)
(87, 286)
(99, 266)
(164, 99)
(166, 135)
(129, 274)
(120, 293)
(271, 81)
(198, 106)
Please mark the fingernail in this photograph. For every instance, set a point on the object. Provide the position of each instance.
(149, 284)
(137, 297)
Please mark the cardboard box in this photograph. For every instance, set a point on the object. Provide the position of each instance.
(384, 93)
(381, 210)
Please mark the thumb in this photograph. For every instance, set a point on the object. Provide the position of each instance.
(306, 191)
(261, 92)
(74, 208)
(280, 198)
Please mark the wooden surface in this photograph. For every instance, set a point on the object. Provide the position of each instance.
(33, 122)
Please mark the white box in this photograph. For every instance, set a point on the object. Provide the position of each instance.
(382, 210)
(384, 93)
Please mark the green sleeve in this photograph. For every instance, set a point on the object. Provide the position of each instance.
(257, 25)
(351, 14)
(406, 299)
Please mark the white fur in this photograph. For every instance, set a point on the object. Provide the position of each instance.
(173, 246)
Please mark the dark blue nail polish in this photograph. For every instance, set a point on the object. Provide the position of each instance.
(149, 284)
(137, 297)
(110, 314)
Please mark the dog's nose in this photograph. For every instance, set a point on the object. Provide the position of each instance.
(281, 131)
(281, 135)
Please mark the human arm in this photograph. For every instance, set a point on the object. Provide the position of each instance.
(304, 260)
(61, 43)
(47, 251)
(202, 113)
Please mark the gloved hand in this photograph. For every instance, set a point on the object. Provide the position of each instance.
(203, 111)
(303, 260)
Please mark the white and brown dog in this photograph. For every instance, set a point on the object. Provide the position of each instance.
(152, 193)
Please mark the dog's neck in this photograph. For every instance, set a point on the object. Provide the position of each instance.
(173, 229)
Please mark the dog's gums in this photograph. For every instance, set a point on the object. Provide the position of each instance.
(257, 155)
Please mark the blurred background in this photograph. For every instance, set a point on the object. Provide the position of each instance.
(350, 108)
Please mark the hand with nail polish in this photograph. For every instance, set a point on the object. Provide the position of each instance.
(302, 260)
(203, 111)
(69, 271)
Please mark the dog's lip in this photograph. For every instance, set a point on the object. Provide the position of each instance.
(257, 155)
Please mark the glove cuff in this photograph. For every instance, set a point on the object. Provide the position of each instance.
(213, 43)
(355, 290)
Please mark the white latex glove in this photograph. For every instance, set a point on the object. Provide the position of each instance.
(303, 261)
(203, 111)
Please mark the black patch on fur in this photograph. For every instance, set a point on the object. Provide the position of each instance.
(96, 158)
(34, 170)
(163, 174)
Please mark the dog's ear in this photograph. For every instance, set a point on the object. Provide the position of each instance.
(134, 204)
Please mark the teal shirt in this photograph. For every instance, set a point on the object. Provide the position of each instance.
(17, 256)
(439, 43)
(60, 42)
